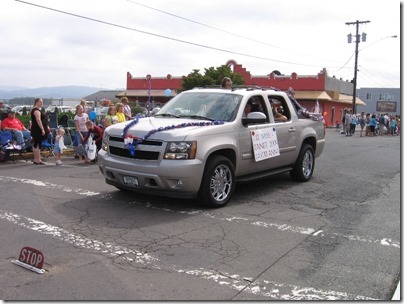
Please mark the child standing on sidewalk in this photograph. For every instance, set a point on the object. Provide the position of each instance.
(59, 146)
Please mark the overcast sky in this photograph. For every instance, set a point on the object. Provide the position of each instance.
(43, 47)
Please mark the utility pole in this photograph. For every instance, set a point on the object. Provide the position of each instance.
(358, 38)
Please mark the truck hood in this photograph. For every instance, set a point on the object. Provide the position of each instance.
(162, 128)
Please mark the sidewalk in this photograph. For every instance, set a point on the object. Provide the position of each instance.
(397, 296)
(30, 155)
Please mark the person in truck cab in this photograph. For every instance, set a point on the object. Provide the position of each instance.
(275, 104)
(247, 109)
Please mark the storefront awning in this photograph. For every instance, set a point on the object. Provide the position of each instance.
(322, 95)
(312, 95)
(145, 93)
(348, 99)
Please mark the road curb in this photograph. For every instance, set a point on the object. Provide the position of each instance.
(29, 155)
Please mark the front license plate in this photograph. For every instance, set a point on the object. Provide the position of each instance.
(131, 181)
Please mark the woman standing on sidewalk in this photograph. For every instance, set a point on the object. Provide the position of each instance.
(372, 125)
(39, 130)
(362, 122)
(81, 130)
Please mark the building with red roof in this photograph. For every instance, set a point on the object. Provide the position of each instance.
(330, 95)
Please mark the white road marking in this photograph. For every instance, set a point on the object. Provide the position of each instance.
(281, 227)
(48, 185)
(76, 240)
(263, 288)
(333, 235)
(273, 290)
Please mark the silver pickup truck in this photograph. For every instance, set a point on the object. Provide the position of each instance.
(204, 141)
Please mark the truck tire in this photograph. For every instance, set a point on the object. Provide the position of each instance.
(304, 166)
(218, 182)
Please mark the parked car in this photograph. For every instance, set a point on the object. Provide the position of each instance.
(4, 108)
(202, 142)
(19, 110)
(62, 109)
(103, 112)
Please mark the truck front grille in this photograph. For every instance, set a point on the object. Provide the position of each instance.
(145, 142)
(139, 154)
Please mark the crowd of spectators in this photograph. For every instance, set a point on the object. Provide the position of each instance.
(85, 128)
(370, 124)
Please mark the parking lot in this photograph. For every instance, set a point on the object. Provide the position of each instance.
(336, 237)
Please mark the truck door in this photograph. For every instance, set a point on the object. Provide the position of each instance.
(286, 129)
(286, 133)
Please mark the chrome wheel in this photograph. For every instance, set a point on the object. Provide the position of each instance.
(308, 162)
(218, 182)
(304, 166)
(221, 183)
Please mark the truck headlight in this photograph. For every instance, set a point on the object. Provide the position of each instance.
(104, 145)
(180, 150)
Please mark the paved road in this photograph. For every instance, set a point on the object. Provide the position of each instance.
(335, 237)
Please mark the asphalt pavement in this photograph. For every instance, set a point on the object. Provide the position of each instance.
(336, 236)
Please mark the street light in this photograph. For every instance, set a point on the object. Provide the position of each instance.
(358, 37)
(394, 36)
(356, 64)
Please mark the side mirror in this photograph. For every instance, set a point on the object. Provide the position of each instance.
(254, 118)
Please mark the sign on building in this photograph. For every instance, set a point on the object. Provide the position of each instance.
(386, 106)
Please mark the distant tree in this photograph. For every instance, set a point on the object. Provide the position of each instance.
(194, 79)
(25, 119)
(138, 110)
(212, 77)
(27, 101)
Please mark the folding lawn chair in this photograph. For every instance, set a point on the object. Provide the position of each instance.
(4, 154)
(63, 120)
(53, 120)
(12, 150)
(48, 144)
(67, 138)
(70, 131)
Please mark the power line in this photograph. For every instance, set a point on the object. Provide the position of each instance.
(165, 37)
(394, 36)
(222, 30)
(368, 77)
(373, 69)
(345, 62)
(203, 24)
(369, 62)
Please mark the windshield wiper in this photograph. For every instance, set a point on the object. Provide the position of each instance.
(198, 117)
(167, 115)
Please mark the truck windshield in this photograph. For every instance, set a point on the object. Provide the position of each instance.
(211, 106)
